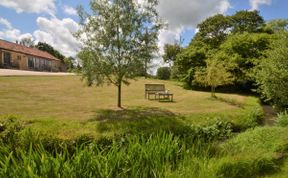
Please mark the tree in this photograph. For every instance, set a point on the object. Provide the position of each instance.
(215, 74)
(245, 50)
(28, 42)
(49, 49)
(247, 21)
(272, 74)
(170, 52)
(214, 30)
(114, 40)
(277, 25)
(70, 63)
(151, 47)
(163, 73)
(188, 60)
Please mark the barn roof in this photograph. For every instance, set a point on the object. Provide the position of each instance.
(25, 50)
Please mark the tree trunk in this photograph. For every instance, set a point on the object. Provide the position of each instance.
(213, 92)
(119, 95)
(145, 68)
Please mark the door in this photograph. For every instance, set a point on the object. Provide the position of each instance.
(7, 59)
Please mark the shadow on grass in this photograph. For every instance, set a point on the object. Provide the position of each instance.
(136, 119)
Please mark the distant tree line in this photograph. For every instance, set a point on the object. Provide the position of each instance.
(250, 52)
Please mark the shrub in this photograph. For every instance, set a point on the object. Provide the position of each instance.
(282, 119)
(220, 130)
(163, 73)
(9, 129)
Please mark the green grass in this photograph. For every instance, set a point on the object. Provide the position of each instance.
(191, 151)
(64, 106)
(259, 152)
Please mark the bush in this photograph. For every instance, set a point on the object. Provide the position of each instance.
(282, 119)
(9, 129)
(220, 130)
(163, 73)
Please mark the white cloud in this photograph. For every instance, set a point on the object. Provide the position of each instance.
(69, 10)
(256, 3)
(10, 33)
(59, 34)
(186, 14)
(6, 23)
(167, 36)
(30, 6)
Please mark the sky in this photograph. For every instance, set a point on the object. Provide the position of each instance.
(54, 21)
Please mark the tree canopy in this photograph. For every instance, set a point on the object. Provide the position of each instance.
(49, 49)
(240, 37)
(272, 73)
(247, 21)
(215, 74)
(277, 25)
(170, 52)
(28, 42)
(213, 30)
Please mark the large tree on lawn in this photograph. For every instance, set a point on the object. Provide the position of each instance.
(114, 40)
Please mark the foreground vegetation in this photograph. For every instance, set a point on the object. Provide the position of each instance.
(185, 151)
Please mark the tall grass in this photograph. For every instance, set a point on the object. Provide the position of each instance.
(282, 119)
(188, 151)
(133, 156)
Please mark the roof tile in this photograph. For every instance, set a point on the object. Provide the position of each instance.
(25, 50)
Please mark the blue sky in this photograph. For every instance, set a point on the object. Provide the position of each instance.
(53, 21)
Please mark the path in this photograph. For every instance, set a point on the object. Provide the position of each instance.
(10, 72)
(269, 115)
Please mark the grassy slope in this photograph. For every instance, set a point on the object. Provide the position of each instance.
(261, 151)
(65, 106)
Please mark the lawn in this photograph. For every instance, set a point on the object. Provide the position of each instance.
(64, 106)
(163, 139)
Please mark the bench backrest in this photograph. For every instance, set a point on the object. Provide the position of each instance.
(154, 87)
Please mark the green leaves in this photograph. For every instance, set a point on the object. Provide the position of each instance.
(215, 74)
(272, 75)
(247, 21)
(117, 37)
(170, 52)
(213, 30)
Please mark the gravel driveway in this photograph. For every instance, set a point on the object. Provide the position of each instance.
(9, 72)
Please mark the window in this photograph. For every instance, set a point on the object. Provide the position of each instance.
(7, 58)
(19, 58)
(30, 63)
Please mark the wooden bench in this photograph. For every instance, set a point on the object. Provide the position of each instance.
(153, 89)
(165, 96)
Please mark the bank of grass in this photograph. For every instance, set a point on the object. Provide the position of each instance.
(259, 152)
(191, 151)
(64, 106)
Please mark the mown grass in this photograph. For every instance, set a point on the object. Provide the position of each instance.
(64, 106)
